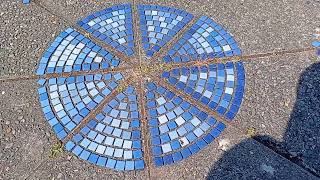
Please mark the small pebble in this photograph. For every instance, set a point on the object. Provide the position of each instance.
(224, 144)
(8, 146)
(59, 175)
(268, 169)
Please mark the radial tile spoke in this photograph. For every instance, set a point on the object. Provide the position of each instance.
(137, 34)
(192, 101)
(66, 75)
(144, 125)
(113, 50)
(18, 78)
(110, 94)
(238, 58)
(112, 137)
(67, 101)
(98, 71)
(219, 87)
(178, 127)
(162, 52)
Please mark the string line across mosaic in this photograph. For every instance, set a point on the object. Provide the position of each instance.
(178, 126)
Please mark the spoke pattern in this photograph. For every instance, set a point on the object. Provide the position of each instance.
(114, 103)
(177, 127)
(140, 90)
(67, 101)
(217, 86)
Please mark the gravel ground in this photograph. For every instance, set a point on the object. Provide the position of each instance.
(26, 32)
(75, 10)
(281, 101)
(282, 104)
(233, 156)
(25, 138)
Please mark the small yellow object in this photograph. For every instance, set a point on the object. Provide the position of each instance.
(287, 103)
(251, 131)
(56, 150)
(314, 58)
(167, 67)
(121, 88)
(86, 34)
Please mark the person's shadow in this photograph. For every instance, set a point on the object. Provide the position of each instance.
(301, 143)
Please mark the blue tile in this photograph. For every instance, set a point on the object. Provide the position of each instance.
(178, 128)
(25, 1)
(113, 27)
(158, 29)
(55, 60)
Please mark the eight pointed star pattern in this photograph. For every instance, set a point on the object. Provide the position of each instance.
(131, 86)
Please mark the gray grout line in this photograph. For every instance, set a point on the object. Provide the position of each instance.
(122, 85)
(141, 94)
(175, 39)
(65, 74)
(243, 58)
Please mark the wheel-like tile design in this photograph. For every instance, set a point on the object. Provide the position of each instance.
(103, 122)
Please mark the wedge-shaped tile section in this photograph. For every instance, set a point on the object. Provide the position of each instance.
(178, 129)
(113, 138)
(205, 39)
(67, 101)
(159, 24)
(113, 26)
(71, 52)
(218, 86)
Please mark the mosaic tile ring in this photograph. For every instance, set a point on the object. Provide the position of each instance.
(103, 117)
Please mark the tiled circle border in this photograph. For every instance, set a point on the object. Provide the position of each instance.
(180, 121)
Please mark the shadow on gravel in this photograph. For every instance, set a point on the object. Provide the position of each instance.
(301, 143)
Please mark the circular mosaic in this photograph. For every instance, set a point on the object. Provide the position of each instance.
(135, 86)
